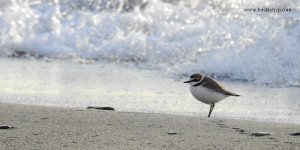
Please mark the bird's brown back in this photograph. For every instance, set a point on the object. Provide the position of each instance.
(212, 84)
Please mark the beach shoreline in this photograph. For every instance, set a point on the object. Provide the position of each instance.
(40, 127)
(73, 85)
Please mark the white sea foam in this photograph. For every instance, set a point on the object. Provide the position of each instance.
(215, 37)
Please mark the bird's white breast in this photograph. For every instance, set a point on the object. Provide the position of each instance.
(205, 95)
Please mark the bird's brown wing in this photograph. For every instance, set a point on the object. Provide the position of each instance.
(214, 85)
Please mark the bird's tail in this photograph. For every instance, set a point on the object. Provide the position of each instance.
(231, 94)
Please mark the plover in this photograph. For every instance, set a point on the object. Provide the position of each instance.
(207, 90)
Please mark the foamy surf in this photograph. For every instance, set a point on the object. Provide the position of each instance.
(179, 38)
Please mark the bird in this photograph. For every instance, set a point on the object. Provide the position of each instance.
(207, 90)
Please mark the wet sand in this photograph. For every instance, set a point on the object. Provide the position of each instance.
(38, 127)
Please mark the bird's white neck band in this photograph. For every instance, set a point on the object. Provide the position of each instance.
(202, 78)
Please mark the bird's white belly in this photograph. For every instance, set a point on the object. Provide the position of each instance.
(205, 95)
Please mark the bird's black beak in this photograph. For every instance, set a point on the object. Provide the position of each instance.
(193, 80)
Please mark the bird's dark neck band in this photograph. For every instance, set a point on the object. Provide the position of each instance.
(200, 82)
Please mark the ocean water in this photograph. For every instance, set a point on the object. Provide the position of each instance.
(179, 37)
(157, 43)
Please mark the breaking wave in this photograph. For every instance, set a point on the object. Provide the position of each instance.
(179, 37)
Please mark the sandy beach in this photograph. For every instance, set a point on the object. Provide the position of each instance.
(39, 127)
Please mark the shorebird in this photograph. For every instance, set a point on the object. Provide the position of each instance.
(207, 90)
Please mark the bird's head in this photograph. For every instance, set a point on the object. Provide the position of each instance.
(194, 78)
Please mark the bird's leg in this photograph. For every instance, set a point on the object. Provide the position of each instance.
(211, 108)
